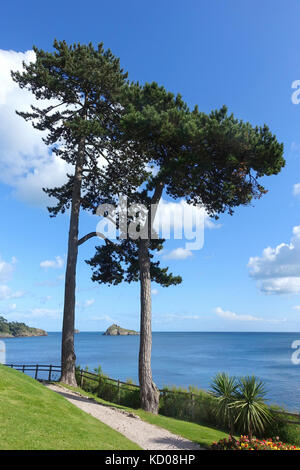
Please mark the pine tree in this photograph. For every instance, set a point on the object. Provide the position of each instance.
(213, 160)
(85, 84)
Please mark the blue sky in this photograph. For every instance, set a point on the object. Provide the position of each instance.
(242, 54)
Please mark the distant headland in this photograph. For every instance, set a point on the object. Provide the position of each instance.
(116, 330)
(16, 330)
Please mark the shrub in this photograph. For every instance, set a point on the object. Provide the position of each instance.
(279, 427)
(192, 404)
(109, 389)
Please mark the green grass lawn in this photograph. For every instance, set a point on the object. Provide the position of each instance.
(34, 417)
(201, 434)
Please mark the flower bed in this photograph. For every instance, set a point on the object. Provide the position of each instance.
(244, 443)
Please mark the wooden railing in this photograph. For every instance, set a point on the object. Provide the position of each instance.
(294, 418)
(289, 415)
(36, 368)
(97, 377)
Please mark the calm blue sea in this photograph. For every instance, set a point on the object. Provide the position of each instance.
(179, 358)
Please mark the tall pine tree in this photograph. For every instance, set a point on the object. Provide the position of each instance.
(213, 160)
(85, 84)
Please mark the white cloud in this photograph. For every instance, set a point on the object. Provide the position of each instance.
(174, 316)
(154, 291)
(228, 315)
(25, 163)
(296, 189)
(49, 283)
(44, 312)
(88, 303)
(37, 313)
(178, 253)
(278, 269)
(295, 147)
(106, 318)
(6, 269)
(181, 216)
(45, 299)
(182, 221)
(7, 294)
(56, 264)
(284, 285)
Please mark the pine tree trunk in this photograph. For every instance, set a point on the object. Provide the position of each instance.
(68, 357)
(149, 393)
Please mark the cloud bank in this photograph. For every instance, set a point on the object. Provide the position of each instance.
(278, 269)
(25, 162)
(228, 315)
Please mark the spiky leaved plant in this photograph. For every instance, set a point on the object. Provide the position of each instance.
(224, 388)
(252, 413)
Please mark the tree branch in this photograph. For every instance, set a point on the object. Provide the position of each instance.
(97, 234)
(90, 235)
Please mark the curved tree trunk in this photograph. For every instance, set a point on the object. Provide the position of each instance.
(68, 357)
(149, 393)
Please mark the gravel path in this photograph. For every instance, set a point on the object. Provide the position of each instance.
(146, 435)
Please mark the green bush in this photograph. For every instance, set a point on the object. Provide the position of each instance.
(129, 395)
(193, 404)
(278, 427)
(108, 389)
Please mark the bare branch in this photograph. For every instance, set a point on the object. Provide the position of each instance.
(96, 234)
(90, 235)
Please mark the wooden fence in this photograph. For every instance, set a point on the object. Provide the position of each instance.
(37, 368)
(53, 372)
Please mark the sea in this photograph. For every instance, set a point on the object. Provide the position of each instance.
(178, 358)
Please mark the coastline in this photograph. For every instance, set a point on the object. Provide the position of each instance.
(25, 335)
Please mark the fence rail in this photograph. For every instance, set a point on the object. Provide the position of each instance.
(84, 374)
(36, 368)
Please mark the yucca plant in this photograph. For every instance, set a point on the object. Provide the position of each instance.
(252, 413)
(224, 388)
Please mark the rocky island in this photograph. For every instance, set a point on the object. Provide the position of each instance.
(116, 330)
(16, 330)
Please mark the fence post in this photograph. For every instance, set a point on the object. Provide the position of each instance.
(36, 371)
(193, 405)
(81, 378)
(118, 391)
(50, 370)
(23, 368)
(99, 385)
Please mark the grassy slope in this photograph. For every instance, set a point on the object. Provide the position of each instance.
(34, 417)
(203, 435)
